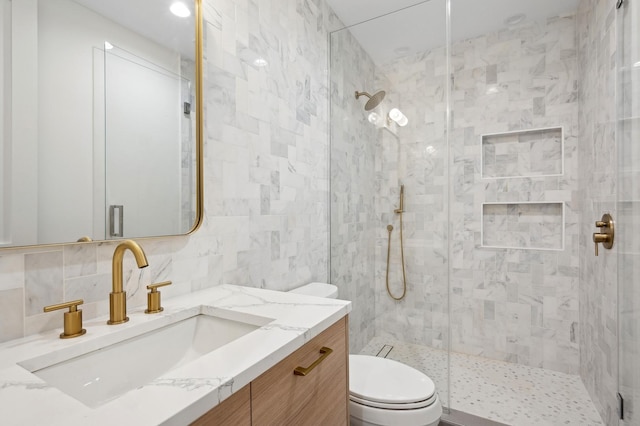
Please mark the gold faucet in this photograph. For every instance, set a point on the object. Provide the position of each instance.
(118, 297)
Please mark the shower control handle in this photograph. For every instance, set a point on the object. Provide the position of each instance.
(606, 234)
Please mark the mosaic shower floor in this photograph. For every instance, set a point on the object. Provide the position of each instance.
(503, 392)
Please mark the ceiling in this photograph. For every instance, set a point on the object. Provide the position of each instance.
(389, 29)
(151, 19)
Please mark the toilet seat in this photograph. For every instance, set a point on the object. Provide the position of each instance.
(388, 384)
(405, 406)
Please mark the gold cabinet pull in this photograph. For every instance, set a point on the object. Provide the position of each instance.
(153, 298)
(72, 319)
(303, 371)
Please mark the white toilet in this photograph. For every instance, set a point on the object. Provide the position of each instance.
(383, 392)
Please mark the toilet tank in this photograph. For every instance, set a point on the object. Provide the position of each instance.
(329, 291)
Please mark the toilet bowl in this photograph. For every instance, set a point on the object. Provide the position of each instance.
(384, 392)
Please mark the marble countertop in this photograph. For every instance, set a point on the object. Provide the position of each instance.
(181, 395)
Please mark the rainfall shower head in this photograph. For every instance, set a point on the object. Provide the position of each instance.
(373, 101)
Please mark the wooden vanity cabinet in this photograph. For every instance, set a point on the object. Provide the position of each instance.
(279, 397)
(233, 411)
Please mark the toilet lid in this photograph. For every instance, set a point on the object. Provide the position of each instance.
(387, 381)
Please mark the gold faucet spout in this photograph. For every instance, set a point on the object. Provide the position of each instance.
(118, 297)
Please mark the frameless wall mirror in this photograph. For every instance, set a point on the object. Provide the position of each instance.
(100, 120)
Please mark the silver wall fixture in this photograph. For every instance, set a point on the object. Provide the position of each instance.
(116, 226)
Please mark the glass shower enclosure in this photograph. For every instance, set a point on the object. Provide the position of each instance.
(376, 248)
(628, 206)
(519, 135)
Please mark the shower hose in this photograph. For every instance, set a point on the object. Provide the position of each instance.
(404, 275)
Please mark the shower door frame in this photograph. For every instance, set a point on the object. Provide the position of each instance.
(628, 207)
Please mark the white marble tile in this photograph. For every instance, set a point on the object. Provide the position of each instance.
(12, 267)
(597, 150)
(12, 309)
(43, 281)
(79, 260)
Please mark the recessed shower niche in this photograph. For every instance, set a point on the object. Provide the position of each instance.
(523, 153)
(523, 225)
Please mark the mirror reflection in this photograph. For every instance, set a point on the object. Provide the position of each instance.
(97, 120)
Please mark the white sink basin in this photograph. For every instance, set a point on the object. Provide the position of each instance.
(98, 376)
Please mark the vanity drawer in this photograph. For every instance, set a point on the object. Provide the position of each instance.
(233, 411)
(278, 397)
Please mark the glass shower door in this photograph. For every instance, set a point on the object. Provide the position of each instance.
(629, 211)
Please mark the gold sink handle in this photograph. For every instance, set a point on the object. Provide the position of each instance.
(72, 319)
(153, 298)
(606, 234)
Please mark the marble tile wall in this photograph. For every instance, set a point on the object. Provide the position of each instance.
(513, 305)
(354, 141)
(598, 182)
(523, 225)
(266, 177)
(522, 154)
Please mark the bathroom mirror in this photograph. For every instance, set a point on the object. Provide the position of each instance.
(100, 120)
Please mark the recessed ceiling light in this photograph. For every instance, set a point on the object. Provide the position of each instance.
(180, 9)
(108, 46)
(515, 19)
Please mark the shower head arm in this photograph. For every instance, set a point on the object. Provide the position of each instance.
(358, 94)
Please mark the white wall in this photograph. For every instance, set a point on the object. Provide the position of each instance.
(143, 144)
(5, 115)
(24, 139)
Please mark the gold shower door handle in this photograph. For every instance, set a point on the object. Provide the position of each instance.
(303, 371)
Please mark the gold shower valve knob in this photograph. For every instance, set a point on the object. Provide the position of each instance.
(606, 234)
(153, 298)
(72, 319)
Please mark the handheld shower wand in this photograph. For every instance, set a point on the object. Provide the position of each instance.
(400, 208)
